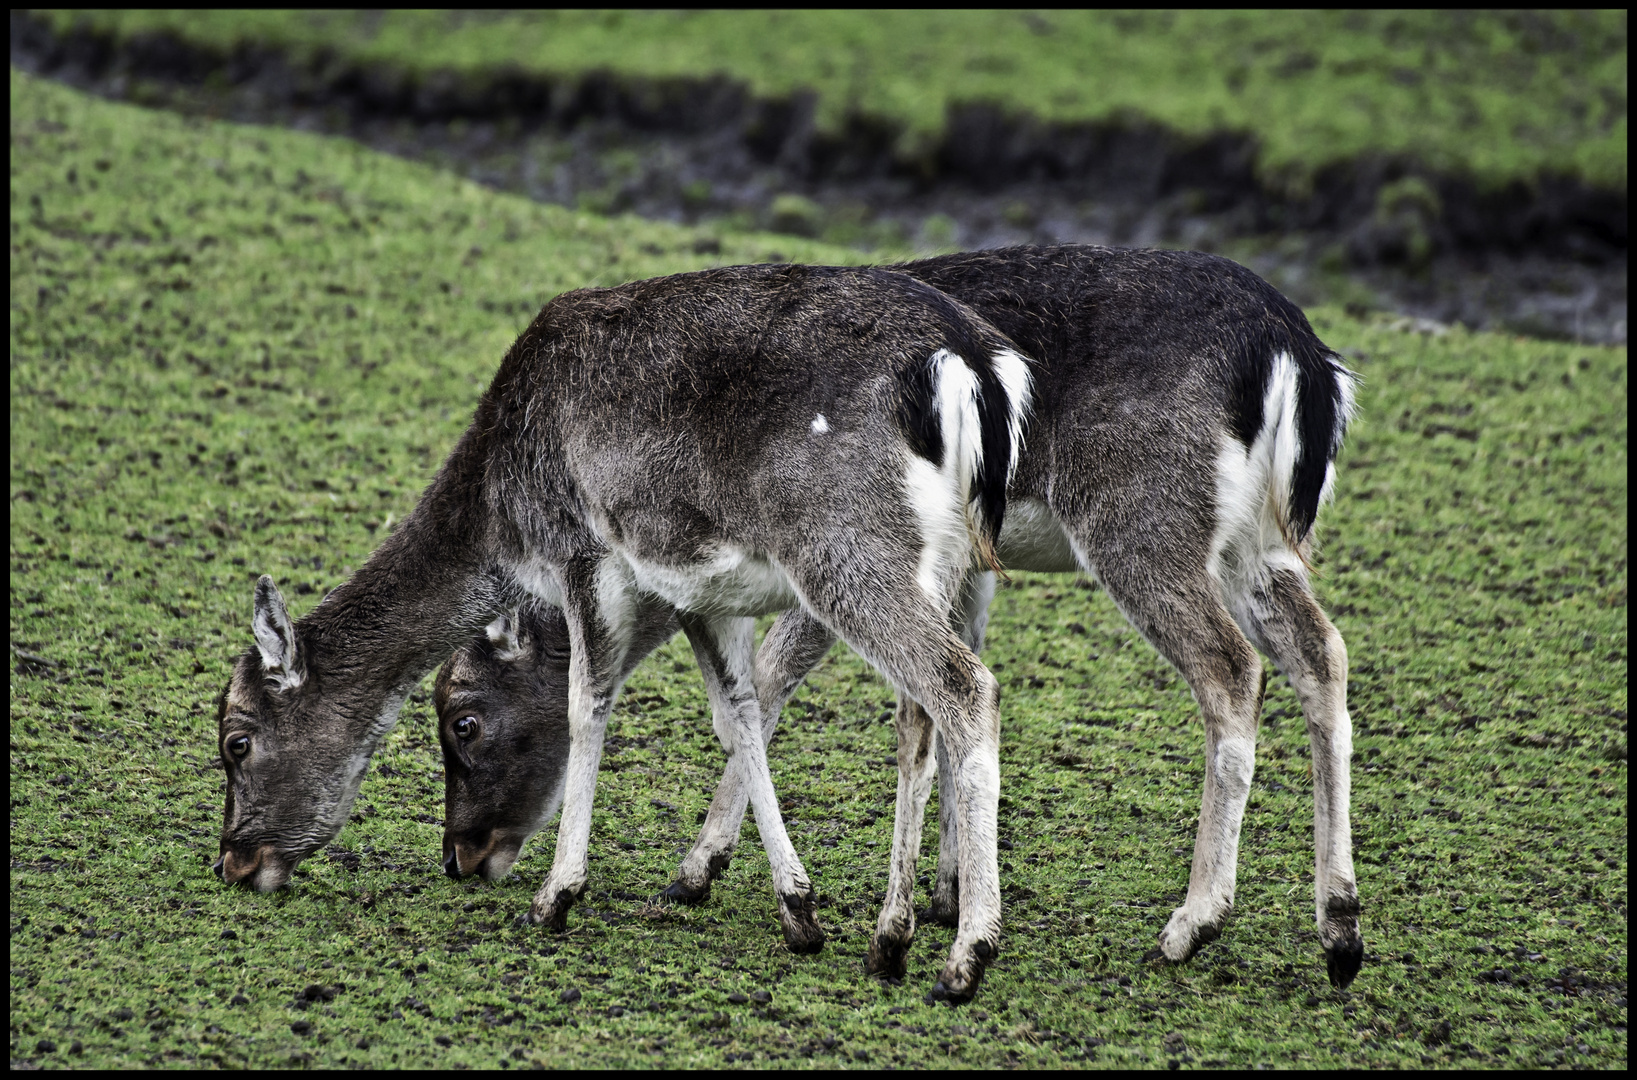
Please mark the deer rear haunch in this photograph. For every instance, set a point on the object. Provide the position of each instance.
(1184, 431)
(715, 445)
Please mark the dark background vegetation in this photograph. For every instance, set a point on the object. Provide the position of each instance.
(1457, 166)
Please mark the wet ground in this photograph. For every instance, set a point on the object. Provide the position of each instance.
(704, 154)
(609, 168)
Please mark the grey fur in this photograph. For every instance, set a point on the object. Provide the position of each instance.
(1152, 367)
(648, 447)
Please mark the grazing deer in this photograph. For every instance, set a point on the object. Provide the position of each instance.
(1186, 425)
(717, 444)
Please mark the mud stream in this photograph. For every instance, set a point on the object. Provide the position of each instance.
(1548, 264)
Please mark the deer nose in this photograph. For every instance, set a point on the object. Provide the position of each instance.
(451, 863)
(237, 867)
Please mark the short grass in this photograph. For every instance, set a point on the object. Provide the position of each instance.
(237, 350)
(1497, 96)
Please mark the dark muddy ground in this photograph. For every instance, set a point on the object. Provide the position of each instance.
(704, 154)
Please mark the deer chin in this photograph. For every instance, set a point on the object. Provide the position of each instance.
(500, 860)
(491, 861)
(263, 871)
(273, 875)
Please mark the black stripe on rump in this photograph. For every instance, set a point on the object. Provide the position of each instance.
(976, 344)
(1320, 422)
(994, 421)
(918, 412)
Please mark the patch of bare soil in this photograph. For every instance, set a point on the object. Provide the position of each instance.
(1548, 259)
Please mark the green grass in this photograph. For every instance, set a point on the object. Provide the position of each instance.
(238, 350)
(1496, 96)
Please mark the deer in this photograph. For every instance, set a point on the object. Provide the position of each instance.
(710, 446)
(1184, 436)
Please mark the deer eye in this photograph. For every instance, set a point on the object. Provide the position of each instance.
(465, 728)
(239, 746)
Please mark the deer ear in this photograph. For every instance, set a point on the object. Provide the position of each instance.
(275, 637)
(506, 636)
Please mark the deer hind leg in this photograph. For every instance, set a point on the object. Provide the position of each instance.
(960, 695)
(1283, 617)
(1184, 618)
(908, 639)
(793, 647)
(944, 908)
(895, 928)
(723, 647)
(945, 905)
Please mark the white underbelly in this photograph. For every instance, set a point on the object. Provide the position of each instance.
(1032, 538)
(735, 582)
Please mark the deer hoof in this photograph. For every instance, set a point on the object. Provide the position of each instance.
(553, 916)
(797, 917)
(959, 981)
(887, 959)
(940, 913)
(1338, 933)
(1343, 960)
(680, 892)
(940, 992)
(1185, 934)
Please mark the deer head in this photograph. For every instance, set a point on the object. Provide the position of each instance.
(502, 702)
(293, 757)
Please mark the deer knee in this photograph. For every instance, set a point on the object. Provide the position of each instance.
(914, 736)
(1236, 761)
(1229, 688)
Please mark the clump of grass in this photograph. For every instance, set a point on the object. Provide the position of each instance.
(1497, 96)
(239, 350)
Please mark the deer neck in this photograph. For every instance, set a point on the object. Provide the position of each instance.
(433, 584)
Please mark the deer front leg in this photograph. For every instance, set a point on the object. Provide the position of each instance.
(793, 647)
(895, 928)
(599, 609)
(723, 648)
(712, 851)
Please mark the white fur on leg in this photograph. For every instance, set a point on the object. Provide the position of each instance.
(917, 762)
(977, 791)
(1231, 764)
(597, 658)
(720, 833)
(795, 643)
(723, 646)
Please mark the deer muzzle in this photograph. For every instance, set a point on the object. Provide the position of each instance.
(259, 868)
(490, 856)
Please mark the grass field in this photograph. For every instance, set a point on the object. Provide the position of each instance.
(237, 351)
(1498, 97)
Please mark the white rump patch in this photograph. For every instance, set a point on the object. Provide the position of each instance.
(956, 388)
(1033, 538)
(820, 425)
(1013, 372)
(1253, 494)
(938, 494)
(1346, 410)
(943, 524)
